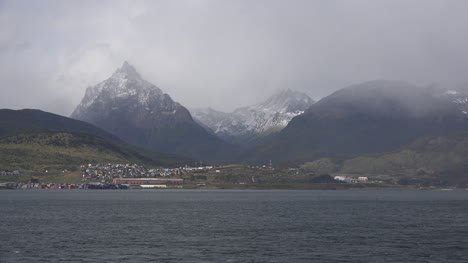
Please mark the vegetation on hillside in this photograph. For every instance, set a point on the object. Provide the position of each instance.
(244, 177)
(430, 160)
(65, 150)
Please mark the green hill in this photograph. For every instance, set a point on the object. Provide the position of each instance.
(34, 140)
(65, 150)
(440, 160)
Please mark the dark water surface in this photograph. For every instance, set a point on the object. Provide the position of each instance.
(233, 226)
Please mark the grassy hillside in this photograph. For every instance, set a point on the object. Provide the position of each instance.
(37, 140)
(432, 160)
(65, 150)
(243, 177)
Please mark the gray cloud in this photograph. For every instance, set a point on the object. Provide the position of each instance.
(225, 54)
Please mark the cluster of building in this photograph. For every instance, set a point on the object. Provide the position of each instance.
(103, 172)
(11, 173)
(100, 172)
(107, 172)
(351, 179)
(136, 176)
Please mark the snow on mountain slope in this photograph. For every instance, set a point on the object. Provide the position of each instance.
(125, 84)
(264, 118)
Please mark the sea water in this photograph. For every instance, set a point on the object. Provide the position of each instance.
(233, 226)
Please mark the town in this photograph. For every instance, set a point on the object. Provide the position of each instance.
(135, 176)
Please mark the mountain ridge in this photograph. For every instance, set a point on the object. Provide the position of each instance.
(13, 122)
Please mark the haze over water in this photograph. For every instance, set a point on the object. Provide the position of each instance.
(233, 226)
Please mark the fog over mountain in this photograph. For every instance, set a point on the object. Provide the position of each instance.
(370, 117)
(225, 54)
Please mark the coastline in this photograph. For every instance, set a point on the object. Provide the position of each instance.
(312, 187)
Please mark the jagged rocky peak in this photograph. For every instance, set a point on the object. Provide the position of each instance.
(125, 84)
(141, 114)
(127, 70)
(126, 77)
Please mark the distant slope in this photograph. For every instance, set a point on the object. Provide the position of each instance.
(433, 160)
(141, 114)
(13, 122)
(376, 116)
(65, 150)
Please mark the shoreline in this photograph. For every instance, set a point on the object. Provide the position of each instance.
(263, 188)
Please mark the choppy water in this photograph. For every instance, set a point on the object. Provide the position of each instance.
(233, 226)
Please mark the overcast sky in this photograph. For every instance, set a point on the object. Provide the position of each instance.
(225, 54)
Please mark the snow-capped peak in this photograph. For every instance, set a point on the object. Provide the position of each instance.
(269, 116)
(124, 84)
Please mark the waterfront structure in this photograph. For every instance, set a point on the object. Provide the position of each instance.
(147, 181)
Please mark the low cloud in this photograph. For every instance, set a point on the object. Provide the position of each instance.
(225, 54)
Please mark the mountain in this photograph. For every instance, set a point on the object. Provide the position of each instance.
(440, 160)
(141, 114)
(248, 125)
(67, 150)
(13, 122)
(376, 116)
